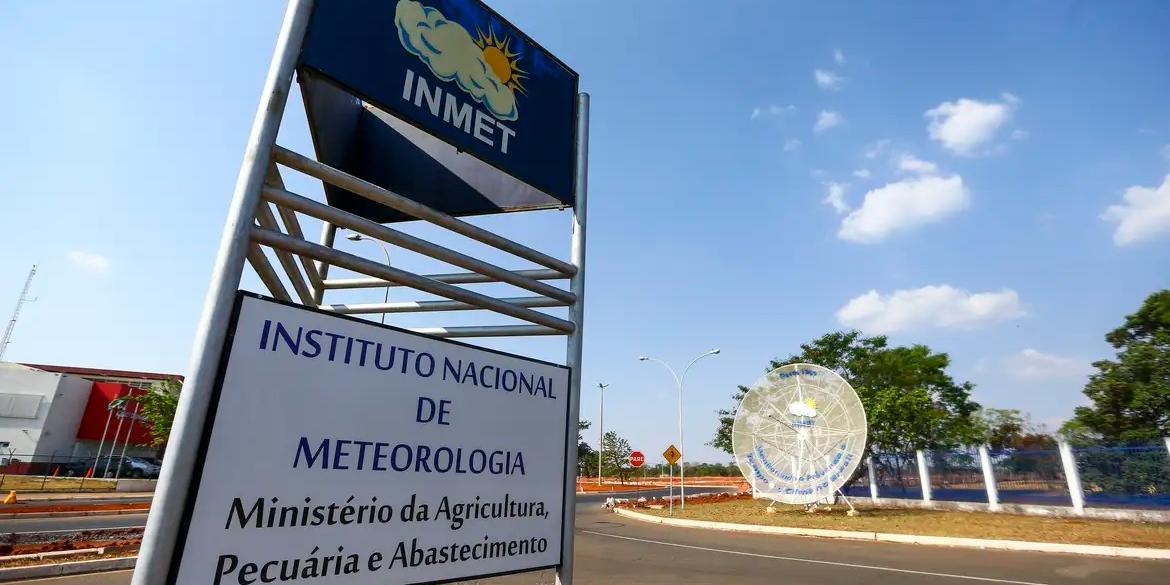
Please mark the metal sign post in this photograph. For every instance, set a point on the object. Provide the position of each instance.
(672, 455)
(263, 221)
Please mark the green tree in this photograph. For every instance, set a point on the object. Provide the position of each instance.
(158, 408)
(586, 456)
(1001, 428)
(615, 456)
(1131, 394)
(910, 401)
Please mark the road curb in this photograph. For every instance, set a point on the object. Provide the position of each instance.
(72, 514)
(993, 544)
(63, 569)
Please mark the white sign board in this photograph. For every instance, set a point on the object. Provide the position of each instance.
(341, 451)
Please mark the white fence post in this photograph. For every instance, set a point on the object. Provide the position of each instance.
(1167, 439)
(989, 478)
(1075, 491)
(873, 489)
(923, 475)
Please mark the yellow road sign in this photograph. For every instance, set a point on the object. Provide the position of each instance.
(672, 454)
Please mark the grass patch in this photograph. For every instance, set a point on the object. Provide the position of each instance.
(37, 483)
(935, 523)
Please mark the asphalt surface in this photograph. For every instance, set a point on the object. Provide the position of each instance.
(613, 550)
(71, 523)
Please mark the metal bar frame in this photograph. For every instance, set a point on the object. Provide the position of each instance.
(576, 340)
(268, 221)
(430, 306)
(328, 234)
(251, 224)
(267, 275)
(449, 278)
(170, 497)
(359, 264)
(412, 208)
(293, 228)
(488, 331)
(382, 233)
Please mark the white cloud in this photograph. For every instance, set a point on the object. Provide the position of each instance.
(835, 197)
(964, 125)
(791, 144)
(771, 111)
(941, 306)
(1143, 214)
(452, 55)
(839, 56)
(827, 79)
(89, 261)
(1032, 364)
(827, 120)
(874, 149)
(862, 173)
(903, 205)
(913, 164)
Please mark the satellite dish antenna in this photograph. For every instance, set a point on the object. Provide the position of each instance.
(799, 434)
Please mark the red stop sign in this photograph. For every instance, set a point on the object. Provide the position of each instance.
(637, 459)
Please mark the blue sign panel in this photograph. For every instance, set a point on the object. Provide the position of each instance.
(459, 71)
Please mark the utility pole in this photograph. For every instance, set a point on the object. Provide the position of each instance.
(601, 430)
(16, 313)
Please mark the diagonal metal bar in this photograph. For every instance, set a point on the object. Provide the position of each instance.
(450, 278)
(268, 222)
(364, 266)
(293, 228)
(395, 201)
(431, 306)
(488, 331)
(267, 275)
(359, 224)
(328, 233)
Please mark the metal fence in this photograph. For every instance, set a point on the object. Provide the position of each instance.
(1126, 476)
(1030, 476)
(55, 473)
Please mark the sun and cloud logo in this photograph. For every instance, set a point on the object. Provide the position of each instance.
(484, 66)
(804, 412)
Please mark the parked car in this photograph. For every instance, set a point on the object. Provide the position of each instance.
(107, 466)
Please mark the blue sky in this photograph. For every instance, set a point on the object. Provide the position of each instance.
(992, 180)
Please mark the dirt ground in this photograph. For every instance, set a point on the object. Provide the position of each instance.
(23, 544)
(39, 507)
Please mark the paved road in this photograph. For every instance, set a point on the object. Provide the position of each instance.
(611, 549)
(72, 523)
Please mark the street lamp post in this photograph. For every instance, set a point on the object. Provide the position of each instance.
(678, 380)
(601, 430)
(355, 237)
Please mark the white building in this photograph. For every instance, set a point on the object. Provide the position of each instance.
(40, 412)
(53, 413)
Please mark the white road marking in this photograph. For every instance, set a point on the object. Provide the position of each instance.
(817, 562)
